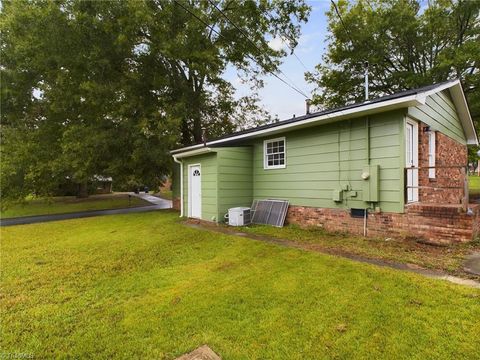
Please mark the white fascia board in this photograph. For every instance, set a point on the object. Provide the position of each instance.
(440, 88)
(458, 97)
(366, 109)
(199, 151)
(461, 104)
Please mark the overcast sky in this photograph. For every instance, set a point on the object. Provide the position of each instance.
(277, 97)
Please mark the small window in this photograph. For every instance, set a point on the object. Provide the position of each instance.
(274, 153)
(431, 154)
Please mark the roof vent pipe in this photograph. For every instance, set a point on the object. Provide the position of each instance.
(308, 102)
(365, 64)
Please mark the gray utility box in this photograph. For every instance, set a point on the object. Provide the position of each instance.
(239, 216)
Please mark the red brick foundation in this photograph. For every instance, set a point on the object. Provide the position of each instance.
(424, 222)
(176, 204)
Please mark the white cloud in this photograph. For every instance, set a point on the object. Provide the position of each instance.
(277, 44)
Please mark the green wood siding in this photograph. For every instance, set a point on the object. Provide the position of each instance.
(175, 180)
(319, 160)
(235, 187)
(209, 174)
(328, 157)
(439, 112)
(322, 159)
(226, 177)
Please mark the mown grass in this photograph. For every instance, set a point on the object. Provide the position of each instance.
(145, 286)
(448, 258)
(474, 185)
(67, 204)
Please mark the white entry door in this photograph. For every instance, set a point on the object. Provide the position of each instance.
(411, 156)
(195, 191)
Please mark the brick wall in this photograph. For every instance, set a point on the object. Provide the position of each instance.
(176, 203)
(447, 152)
(426, 222)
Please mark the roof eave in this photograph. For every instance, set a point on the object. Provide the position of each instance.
(199, 150)
(461, 104)
(367, 109)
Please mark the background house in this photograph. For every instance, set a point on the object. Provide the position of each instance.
(402, 157)
(96, 185)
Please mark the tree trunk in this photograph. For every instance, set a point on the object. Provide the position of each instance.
(82, 190)
(185, 133)
(197, 129)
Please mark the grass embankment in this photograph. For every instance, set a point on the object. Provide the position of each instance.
(145, 286)
(68, 204)
(446, 258)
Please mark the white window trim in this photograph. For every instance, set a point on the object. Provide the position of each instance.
(414, 172)
(432, 135)
(265, 162)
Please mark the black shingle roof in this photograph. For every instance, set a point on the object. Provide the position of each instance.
(330, 111)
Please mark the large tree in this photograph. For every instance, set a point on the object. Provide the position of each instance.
(407, 43)
(106, 88)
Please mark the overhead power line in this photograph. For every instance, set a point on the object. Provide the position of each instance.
(254, 44)
(294, 54)
(299, 60)
(341, 20)
(212, 28)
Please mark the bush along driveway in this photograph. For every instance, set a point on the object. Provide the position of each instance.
(144, 286)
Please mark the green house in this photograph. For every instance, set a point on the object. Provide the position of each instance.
(381, 155)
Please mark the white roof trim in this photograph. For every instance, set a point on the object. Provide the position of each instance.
(366, 109)
(200, 149)
(458, 97)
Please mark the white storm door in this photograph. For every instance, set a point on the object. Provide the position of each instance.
(195, 191)
(411, 156)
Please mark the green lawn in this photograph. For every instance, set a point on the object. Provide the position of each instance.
(145, 286)
(67, 204)
(474, 185)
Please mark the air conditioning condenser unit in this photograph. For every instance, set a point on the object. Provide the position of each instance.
(239, 216)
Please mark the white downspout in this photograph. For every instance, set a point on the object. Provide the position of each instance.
(181, 184)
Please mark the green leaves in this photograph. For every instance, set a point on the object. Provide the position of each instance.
(407, 46)
(107, 88)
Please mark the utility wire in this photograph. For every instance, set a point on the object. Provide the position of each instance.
(367, 44)
(300, 61)
(293, 86)
(294, 54)
(341, 20)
